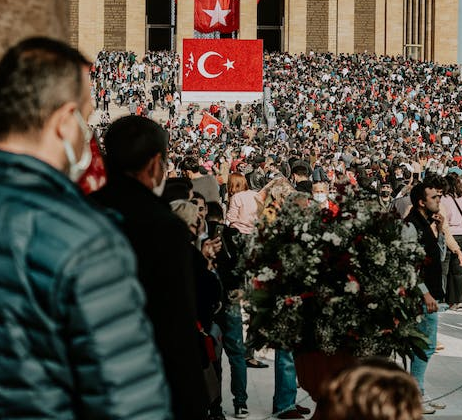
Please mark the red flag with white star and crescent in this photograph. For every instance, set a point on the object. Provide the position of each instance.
(216, 16)
(210, 124)
(232, 65)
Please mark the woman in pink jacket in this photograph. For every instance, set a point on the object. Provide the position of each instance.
(243, 210)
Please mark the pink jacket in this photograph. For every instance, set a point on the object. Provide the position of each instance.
(242, 212)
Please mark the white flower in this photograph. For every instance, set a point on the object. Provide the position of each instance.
(361, 216)
(372, 306)
(351, 287)
(305, 227)
(381, 257)
(332, 237)
(419, 319)
(412, 278)
(348, 225)
(306, 237)
(266, 274)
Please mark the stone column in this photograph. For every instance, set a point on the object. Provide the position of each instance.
(185, 27)
(295, 24)
(332, 43)
(446, 31)
(248, 19)
(91, 27)
(346, 26)
(21, 19)
(395, 27)
(380, 26)
(136, 26)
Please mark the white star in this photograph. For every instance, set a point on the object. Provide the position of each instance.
(229, 64)
(218, 14)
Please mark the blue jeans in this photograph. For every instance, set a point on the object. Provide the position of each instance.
(233, 344)
(285, 381)
(429, 327)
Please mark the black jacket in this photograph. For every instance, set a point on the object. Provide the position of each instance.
(161, 242)
(431, 272)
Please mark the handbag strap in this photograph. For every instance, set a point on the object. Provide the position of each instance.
(455, 201)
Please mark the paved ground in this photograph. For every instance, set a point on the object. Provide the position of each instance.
(443, 379)
(444, 375)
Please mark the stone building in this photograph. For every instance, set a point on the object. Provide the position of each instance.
(425, 29)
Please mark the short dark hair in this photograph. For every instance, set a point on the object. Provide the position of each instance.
(418, 193)
(215, 211)
(37, 76)
(190, 163)
(131, 142)
(197, 194)
(300, 170)
(177, 189)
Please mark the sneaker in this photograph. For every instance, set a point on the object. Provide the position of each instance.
(304, 410)
(426, 409)
(241, 412)
(437, 405)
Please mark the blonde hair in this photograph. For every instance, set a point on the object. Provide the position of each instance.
(236, 183)
(374, 392)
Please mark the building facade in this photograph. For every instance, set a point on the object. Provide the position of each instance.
(423, 29)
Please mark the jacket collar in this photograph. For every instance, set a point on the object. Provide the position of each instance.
(21, 170)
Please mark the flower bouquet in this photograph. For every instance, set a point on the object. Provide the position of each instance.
(334, 279)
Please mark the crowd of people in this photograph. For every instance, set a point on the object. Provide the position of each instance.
(118, 305)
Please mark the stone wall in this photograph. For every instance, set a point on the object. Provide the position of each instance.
(317, 29)
(364, 36)
(136, 31)
(21, 19)
(74, 23)
(115, 25)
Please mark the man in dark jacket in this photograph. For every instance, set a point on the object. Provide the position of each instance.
(135, 166)
(300, 171)
(424, 219)
(74, 341)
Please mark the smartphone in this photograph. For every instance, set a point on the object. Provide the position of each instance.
(218, 231)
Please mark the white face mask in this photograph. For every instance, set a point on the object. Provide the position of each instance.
(320, 197)
(77, 169)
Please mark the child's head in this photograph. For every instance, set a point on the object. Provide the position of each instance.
(375, 389)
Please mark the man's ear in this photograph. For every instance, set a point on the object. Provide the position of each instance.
(150, 167)
(62, 122)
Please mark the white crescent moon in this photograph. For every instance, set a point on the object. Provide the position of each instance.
(201, 64)
(214, 127)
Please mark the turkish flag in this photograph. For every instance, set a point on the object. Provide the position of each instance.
(216, 15)
(210, 124)
(223, 65)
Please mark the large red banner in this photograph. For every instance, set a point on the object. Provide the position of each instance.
(228, 65)
(216, 15)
